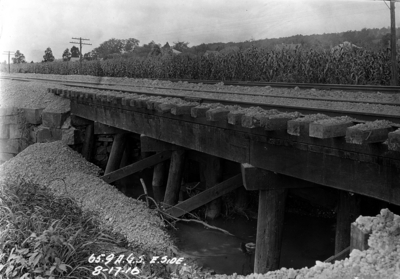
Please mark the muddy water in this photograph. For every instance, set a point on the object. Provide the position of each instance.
(305, 240)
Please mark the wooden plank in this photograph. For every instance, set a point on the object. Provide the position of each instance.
(358, 239)
(324, 131)
(212, 171)
(148, 144)
(259, 179)
(174, 177)
(102, 129)
(199, 112)
(339, 256)
(87, 149)
(348, 210)
(206, 196)
(182, 109)
(235, 117)
(271, 209)
(158, 183)
(137, 166)
(116, 153)
(394, 140)
(330, 163)
(217, 114)
(359, 136)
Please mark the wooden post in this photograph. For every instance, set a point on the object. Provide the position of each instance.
(117, 151)
(348, 210)
(273, 188)
(159, 181)
(87, 149)
(271, 209)
(174, 177)
(393, 42)
(212, 174)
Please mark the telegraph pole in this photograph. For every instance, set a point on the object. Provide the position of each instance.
(80, 48)
(8, 53)
(393, 42)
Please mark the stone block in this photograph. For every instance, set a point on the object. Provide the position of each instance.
(9, 119)
(13, 145)
(324, 131)
(71, 136)
(6, 156)
(33, 115)
(54, 119)
(42, 134)
(8, 111)
(15, 131)
(4, 134)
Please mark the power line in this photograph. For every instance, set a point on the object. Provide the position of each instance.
(8, 53)
(80, 45)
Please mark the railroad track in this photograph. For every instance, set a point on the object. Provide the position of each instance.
(359, 115)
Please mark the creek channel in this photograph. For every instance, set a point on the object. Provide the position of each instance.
(306, 239)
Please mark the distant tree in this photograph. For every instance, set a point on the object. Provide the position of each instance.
(75, 51)
(31, 61)
(181, 46)
(66, 55)
(48, 55)
(18, 58)
(116, 46)
(155, 49)
(385, 40)
(91, 55)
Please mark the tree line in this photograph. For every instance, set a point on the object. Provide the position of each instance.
(371, 39)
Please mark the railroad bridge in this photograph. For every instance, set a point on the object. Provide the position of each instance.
(273, 155)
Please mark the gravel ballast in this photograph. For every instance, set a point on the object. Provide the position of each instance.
(67, 173)
(220, 91)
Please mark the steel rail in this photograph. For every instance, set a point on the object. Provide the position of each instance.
(361, 116)
(319, 86)
(69, 83)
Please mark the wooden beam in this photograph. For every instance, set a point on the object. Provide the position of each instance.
(135, 167)
(358, 239)
(348, 210)
(322, 196)
(148, 144)
(259, 179)
(212, 172)
(102, 129)
(340, 256)
(271, 209)
(116, 153)
(174, 177)
(87, 149)
(370, 170)
(158, 183)
(206, 196)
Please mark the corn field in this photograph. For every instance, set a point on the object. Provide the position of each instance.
(253, 64)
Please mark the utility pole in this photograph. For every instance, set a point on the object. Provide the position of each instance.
(8, 53)
(393, 43)
(80, 48)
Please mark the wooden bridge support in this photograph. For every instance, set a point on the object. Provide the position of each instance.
(273, 190)
(117, 150)
(87, 149)
(174, 177)
(158, 182)
(348, 209)
(211, 171)
(271, 209)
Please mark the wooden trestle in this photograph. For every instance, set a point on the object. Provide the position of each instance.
(272, 163)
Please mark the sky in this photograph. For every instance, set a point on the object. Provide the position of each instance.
(31, 26)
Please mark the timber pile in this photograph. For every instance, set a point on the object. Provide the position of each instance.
(380, 261)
